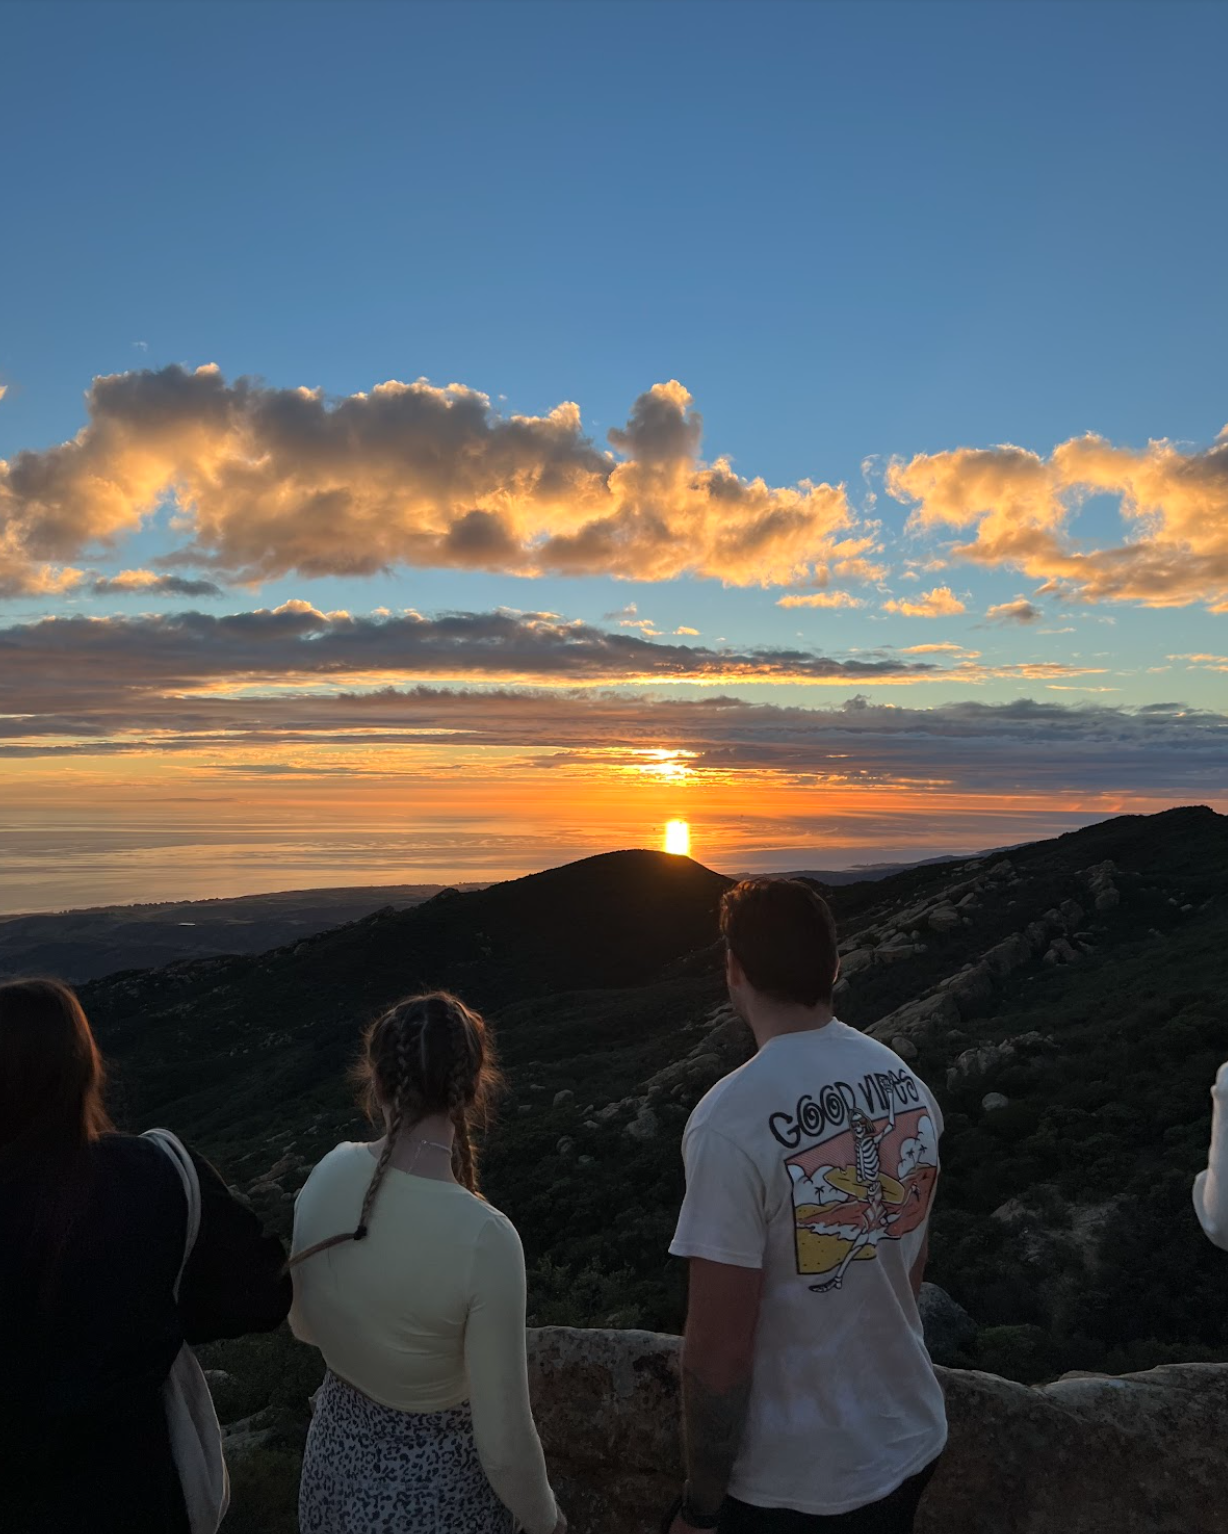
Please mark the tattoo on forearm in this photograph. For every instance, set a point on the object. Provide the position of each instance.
(712, 1427)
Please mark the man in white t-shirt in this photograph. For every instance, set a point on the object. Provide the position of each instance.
(809, 1401)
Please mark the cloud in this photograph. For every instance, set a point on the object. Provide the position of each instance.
(941, 602)
(4, 389)
(266, 482)
(296, 642)
(1018, 611)
(150, 583)
(688, 633)
(21, 576)
(821, 599)
(1173, 506)
(1209, 662)
(937, 649)
(922, 1150)
(241, 687)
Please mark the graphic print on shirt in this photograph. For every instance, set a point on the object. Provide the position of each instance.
(863, 1167)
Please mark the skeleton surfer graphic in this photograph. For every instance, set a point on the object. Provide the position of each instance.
(846, 1200)
(870, 1183)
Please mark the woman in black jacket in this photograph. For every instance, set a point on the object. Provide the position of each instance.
(92, 1229)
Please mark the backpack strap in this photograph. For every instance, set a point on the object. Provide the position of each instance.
(173, 1147)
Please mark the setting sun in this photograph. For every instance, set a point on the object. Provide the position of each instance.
(677, 837)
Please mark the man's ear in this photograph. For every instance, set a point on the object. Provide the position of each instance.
(735, 975)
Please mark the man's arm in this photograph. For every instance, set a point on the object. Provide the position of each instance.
(717, 1362)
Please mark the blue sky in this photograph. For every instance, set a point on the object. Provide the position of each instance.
(854, 233)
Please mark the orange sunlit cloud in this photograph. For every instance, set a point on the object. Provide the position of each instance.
(1173, 504)
(272, 481)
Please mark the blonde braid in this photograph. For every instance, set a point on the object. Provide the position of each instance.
(399, 1026)
(460, 1084)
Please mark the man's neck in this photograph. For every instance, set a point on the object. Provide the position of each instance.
(772, 1020)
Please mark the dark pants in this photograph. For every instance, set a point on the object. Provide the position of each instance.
(893, 1515)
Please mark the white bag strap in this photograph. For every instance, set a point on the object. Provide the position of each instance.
(175, 1149)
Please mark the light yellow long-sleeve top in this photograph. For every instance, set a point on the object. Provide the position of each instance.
(426, 1312)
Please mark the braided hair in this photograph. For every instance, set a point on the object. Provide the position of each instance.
(427, 1054)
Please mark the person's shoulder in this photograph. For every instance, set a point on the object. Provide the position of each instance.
(136, 1171)
(123, 1155)
(866, 1047)
(741, 1087)
(491, 1226)
(874, 1055)
(342, 1161)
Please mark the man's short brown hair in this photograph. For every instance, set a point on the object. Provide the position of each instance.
(782, 933)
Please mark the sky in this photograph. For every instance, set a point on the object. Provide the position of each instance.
(439, 441)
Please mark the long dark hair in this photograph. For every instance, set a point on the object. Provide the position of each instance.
(427, 1054)
(51, 1110)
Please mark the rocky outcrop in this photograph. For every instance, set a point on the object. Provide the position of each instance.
(1139, 1454)
(949, 1329)
(1102, 882)
(984, 1059)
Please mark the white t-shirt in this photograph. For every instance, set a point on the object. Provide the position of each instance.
(817, 1161)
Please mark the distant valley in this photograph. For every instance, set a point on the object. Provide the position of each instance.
(99, 940)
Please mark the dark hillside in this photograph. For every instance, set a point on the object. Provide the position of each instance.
(238, 1046)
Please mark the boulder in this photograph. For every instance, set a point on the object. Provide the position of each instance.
(644, 1125)
(904, 1047)
(1037, 934)
(971, 987)
(979, 1061)
(944, 918)
(1137, 1454)
(896, 952)
(1010, 954)
(1102, 881)
(565, 1096)
(994, 1100)
(918, 1019)
(859, 958)
(985, 1058)
(949, 1329)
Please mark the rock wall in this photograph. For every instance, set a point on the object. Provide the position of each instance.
(1140, 1454)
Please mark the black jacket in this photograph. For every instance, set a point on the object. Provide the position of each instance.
(83, 1442)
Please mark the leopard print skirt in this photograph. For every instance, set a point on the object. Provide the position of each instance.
(370, 1469)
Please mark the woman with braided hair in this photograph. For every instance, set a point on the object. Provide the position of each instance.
(413, 1289)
